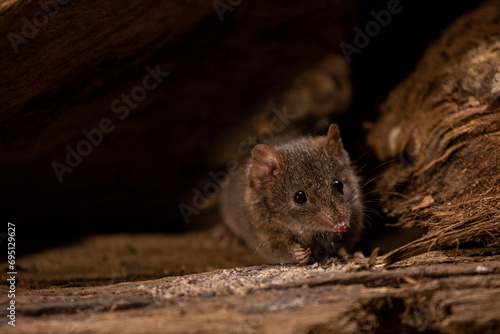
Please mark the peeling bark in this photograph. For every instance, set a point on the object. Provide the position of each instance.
(440, 133)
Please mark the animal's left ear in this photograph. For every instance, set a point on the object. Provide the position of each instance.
(333, 143)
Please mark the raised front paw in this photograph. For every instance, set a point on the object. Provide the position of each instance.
(301, 255)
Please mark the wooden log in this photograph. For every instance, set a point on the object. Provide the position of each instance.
(449, 292)
(440, 133)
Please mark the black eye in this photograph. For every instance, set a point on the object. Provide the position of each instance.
(339, 186)
(300, 197)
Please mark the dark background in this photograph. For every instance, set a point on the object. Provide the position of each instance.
(220, 73)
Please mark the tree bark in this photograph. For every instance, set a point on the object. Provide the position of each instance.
(440, 134)
(446, 292)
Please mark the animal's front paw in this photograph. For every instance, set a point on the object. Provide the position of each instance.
(301, 255)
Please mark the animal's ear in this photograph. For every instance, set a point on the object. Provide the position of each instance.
(333, 144)
(265, 164)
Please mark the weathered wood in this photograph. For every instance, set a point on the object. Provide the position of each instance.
(110, 259)
(440, 134)
(447, 292)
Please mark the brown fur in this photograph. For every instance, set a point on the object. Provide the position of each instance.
(259, 207)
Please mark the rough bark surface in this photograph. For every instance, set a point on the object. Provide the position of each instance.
(447, 292)
(440, 133)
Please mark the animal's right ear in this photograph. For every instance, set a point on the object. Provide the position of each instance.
(265, 164)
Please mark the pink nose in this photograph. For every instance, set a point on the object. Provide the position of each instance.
(341, 227)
